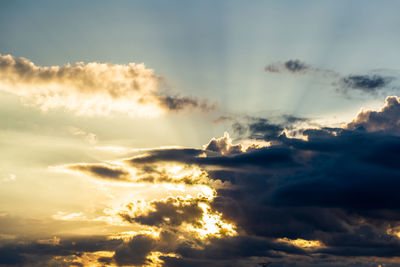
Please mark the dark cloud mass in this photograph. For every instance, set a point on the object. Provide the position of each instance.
(37, 254)
(328, 199)
(339, 186)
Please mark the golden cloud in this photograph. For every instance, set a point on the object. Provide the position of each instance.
(91, 88)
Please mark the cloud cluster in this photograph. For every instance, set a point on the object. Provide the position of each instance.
(91, 88)
(366, 83)
(332, 196)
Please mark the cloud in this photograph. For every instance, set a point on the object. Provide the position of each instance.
(179, 103)
(171, 211)
(135, 251)
(145, 172)
(387, 119)
(263, 157)
(292, 66)
(91, 88)
(366, 83)
(102, 170)
(329, 197)
(224, 145)
(262, 128)
(338, 187)
(43, 253)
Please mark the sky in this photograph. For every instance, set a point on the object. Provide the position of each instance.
(199, 133)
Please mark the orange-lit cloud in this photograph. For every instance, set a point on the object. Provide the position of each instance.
(302, 243)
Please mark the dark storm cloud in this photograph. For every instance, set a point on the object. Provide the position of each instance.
(39, 254)
(339, 186)
(263, 158)
(263, 129)
(135, 251)
(230, 251)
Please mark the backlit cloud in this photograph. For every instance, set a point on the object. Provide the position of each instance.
(92, 88)
(333, 193)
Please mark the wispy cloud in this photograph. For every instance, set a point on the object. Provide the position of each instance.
(366, 83)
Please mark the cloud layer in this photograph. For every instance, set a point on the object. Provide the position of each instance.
(91, 88)
(328, 199)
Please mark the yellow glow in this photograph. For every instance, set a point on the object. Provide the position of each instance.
(110, 217)
(154, 258)
(52, 241)
(302, 243)
(86, 259)
(212, 225)
(126, 236)
(391, 231)
(251, 143)
(86, 89)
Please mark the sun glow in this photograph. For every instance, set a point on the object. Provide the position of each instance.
(86, 259)
(212, 224)
(154, 260)
(302, 243)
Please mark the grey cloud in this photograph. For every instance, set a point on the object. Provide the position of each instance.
(178, 103)
(135, 251)
(292, 66)
(296, 66)
(172, 211)
(36, 254)
(262, 128)
(223, 145)
(367, 83)
(103, 170)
